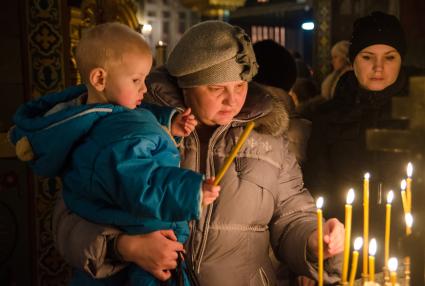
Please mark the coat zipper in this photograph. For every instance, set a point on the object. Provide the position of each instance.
(210, 207)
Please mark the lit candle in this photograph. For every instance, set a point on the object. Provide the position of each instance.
(409, 171)
(365, 223)
(392, 266)
(319, 204)
(372, 251)
(403, 185)
(234, 152)
(390, 197)
(348, 216)
(409, 222)
(357, 245)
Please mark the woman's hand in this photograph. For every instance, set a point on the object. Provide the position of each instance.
(155, 252)
(210, 192)
(333, 238)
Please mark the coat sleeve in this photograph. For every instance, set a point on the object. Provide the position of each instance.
(148, 189)
(294, 220)
(83, 244)
(163, 114)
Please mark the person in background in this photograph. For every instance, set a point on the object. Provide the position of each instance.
(277, 73)
(340, 64)
(303, 69)
(262, 203)
(118, 163)
(305, 95)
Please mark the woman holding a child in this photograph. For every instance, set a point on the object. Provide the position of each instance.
(262, 203)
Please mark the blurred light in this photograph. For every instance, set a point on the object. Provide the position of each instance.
(409, 219)
(392, 264)
(390, 197)
(409, 170)
(358, 243)
(146, 29)
(403, 184)
(319, 203)
(308, 26)
(350, 196)
(367, 176)
(372, 247)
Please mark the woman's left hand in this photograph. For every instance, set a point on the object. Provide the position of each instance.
(333, 239)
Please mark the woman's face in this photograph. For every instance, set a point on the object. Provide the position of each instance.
(338, 61)
(377, 67)
(216, 104)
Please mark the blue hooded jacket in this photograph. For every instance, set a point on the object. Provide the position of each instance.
(118, 166)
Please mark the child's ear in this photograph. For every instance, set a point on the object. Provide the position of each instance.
(98, 78)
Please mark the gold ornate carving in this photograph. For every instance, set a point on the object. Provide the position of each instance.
(102, 11)
(213, 7)
(323, 33)
(92, 13)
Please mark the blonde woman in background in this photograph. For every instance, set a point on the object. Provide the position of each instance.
(341, 64)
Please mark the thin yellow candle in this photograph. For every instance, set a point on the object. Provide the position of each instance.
(390, 197)
(348, 217)
(365, 222)
(357, 245)
(392, 266)
(409, 222)
(234, 152)
(409, 171)
(319, 204)
(403, 185)
(372, 251)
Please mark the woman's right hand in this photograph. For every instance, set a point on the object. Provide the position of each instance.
(210, 192)
(155, 252)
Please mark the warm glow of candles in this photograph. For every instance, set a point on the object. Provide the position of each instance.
(357, 245)
(392, 267)
(234, 152)
(390, 197)
(319, 204)
(409, 222)
(365, 223)
(409, 171)
(372, 252)
(403, 185)
(348, 218)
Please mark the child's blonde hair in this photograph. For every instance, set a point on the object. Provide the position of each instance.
(105, 44)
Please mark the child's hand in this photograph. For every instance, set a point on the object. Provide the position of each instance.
(183, 123)
(209, 191)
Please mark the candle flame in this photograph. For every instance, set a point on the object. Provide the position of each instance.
(358, 243)
(392, 264)
(350, 196)
(319, 202)
(409, 170)
(390, 197)
(403, 184)
(372, 247)
(409, 219)
(367, 176)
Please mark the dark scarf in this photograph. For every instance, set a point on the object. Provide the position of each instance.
(379, 99)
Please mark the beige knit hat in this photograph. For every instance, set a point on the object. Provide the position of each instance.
(212, 52)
